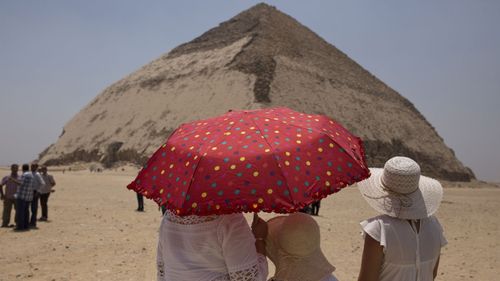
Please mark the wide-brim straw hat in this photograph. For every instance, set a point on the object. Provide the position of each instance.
(400, 191)
(293, 245)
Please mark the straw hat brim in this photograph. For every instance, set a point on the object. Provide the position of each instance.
(313, 267)
(422, 203)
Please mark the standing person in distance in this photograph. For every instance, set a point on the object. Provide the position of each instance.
(38, 184)
(11, 182)
(404, 242)
(24, 196)
(45, 192)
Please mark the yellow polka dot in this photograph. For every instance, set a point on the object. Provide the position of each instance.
(171, 166)
(255, 206)
(233, 167)
(328, 173)
(287, 153)
(161, 191)
(196, 136)
(317, 120)
(217, 207)
(327, 183)
(299, 135)
(191, 148)
(267, 150)
(299, 142)
(320, 149)
(173, 148)
(205, 154)
(252, 128)
(207, 133)
(331, 145)
(308, 163)
(260, 200)
(231, 123)
(277, 132)
(287, 163)
(164, 145)
(269, 191)
(337, 133)
(242, 159)
(195, 157)
(267, 120)
(217, 168)
(255, 173)
(162, 172)
(203, 194)
(349, 138)
(187, 163)
(214, 148)
(194, 205)
(243, 132)
(227, 133)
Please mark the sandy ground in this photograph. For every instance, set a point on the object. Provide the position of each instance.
(95, 234)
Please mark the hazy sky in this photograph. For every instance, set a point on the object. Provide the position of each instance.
(444, 56)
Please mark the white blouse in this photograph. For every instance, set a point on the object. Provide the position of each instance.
(216, 248)
(408, 255)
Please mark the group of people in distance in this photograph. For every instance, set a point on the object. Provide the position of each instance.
(23, 193)
(403, 243)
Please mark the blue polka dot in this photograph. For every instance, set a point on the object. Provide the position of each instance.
(279, 182)
(237, 191)
(220, 192)
(248, 166)
(226, 159)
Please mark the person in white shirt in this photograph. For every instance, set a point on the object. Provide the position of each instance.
(211, 248)
(45, 191)
(293, 245)
(404, 243)
(38, 184)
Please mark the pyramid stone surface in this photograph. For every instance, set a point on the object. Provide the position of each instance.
(260, 58)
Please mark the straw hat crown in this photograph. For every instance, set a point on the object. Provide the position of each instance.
(401, 175)
(299, 235)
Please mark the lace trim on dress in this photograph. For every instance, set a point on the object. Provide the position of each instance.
(171, 216)
(250, 274)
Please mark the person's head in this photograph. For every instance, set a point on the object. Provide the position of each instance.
(398, 190)
(14, 168)
(43, 170)
(26, 168)
(293, 245)
(34, 167)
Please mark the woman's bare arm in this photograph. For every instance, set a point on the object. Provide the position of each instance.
(435, 272)
(371, 263)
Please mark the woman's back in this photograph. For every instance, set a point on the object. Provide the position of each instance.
(208, 248)
(408, 254)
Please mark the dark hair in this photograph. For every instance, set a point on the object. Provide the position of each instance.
(26, 167)
(14, 166)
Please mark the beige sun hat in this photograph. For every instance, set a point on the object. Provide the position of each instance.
(398, 190)
(293, 245)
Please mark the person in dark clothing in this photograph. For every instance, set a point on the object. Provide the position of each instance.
(38, 184)
(24, 196)
(315, 207)
(140, 202)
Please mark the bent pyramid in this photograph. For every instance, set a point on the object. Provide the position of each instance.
(259, 58)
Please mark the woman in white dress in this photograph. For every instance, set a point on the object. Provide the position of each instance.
(211, 248)
(293, 245)
(404, 243)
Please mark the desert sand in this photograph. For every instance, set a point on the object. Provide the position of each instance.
(94, 232)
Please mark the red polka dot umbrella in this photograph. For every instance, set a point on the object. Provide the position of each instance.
(272, 160)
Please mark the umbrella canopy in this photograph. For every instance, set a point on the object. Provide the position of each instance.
(272, 160)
